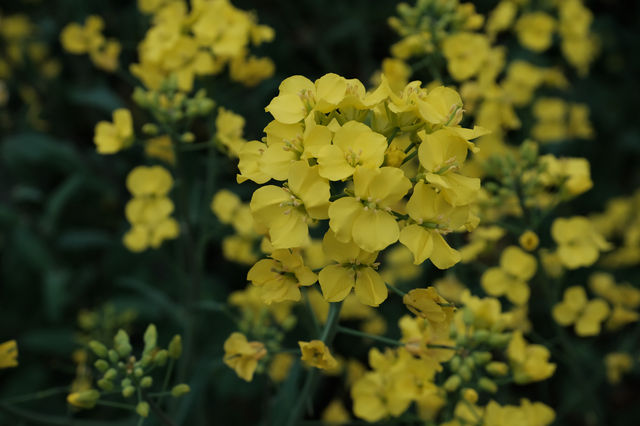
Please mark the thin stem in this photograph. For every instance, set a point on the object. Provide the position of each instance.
(359, 333)
(396, 290)
(393, 134)
(36, 395)
(410, 156)
(328, 333)
(167, 377)
(116, 404)
(164, 419)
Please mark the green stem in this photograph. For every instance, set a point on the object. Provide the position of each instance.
(327, 336)
(410, 156)
(393, 134)
(396, 290)
(167, 377)
(36, 395)
(359, 333)
(116, 404)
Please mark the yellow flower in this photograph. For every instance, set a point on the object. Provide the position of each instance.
(572, 174)
(442, 153)
(229, 129)
(355, 269)
(535, 30)
(280, 366)
(354, 144)
(528, 362)
(366, 218)
(501, 17)
(242, 355)
(9, 354)
(225, 205)
(79, 39)
(433, 216)
(316, 354)
(579, 243)
(510, 278)
(105, 57)
(335, 413)
(575, 309)
(113, 137)
(286, 211)
(298, 96)
(161, 148)
(427, 303)
(465, 53)
(617, 363)
(147, 181)
(281, 277)
(529, 240)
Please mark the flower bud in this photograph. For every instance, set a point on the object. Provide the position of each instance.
(85, 399)
(487, 384)
(175, 347)
(98, 348)
(465, 373)
(128, 391)
(105, 384)
(179, 390)
(452, 383)
(146, 382)
(101, 365)
(470, 395)
(482, 358)
(496, 368)
(142, 409)
(121, 343)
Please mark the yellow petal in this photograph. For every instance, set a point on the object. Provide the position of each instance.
(287, 108)
(370, 287)
(336, 282)
(374, 230)
(419, 241)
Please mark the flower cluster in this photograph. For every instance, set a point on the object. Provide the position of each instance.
(149, 211)
(88, 39)
(380, 166)
(200, 38)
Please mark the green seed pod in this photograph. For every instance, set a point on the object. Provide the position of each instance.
(98, 348)
(128, 391)
(175, 347)
(142, 409)
(452, 383)
(487, 384)
(179, 390)
(101, 365)
(146, 382)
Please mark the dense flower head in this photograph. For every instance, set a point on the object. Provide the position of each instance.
(382, 166)
(199, 38)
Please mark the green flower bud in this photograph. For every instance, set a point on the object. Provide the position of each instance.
(188, 137)
(452, 383)
(469, 363)
(101, 365)
(105, 384)
(146, 382)
(150, 339)
(161, 357)
(98, 348)
(175, 347)
(455, 363)
(480, 336)
(122, 344)
(482, 358)
(150, 129)
(125, 382)
(113, 356)
(497, 340)
(487, 384)
(138, 372)
(128, 391)
(85, 399)
(465, 373)
(496, 368)
(142, 409)
(467, 316)
(179, 390)
(110, 374)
